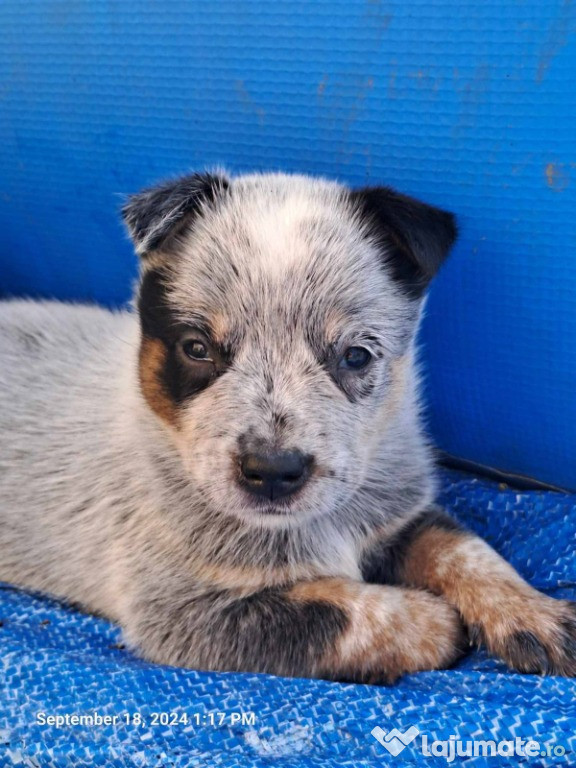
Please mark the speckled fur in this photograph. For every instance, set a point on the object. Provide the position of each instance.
(118, 470)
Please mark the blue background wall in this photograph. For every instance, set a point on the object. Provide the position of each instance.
(467, 105)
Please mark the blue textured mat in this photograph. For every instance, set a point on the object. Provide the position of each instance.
(57, 661)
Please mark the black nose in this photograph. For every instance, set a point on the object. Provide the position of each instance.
(274, 474)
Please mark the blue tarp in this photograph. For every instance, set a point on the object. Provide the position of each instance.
(55, 660)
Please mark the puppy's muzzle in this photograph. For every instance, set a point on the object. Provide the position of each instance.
(275, 474)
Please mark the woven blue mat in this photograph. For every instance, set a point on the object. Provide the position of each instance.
(55, 661)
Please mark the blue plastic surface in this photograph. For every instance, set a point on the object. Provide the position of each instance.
(56, 661)
(468, 105)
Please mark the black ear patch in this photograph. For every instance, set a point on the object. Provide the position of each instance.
(415, 236)
(155, 215)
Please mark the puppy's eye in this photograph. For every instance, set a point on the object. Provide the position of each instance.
(355, 359)
(195, 349)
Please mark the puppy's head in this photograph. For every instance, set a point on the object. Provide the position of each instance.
(278, 314)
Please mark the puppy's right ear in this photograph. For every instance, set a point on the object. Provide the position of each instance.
(415, 237)
(156, 215)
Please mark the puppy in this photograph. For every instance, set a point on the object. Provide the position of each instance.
(236, 471)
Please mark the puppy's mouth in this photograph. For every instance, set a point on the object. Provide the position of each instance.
(273, 510)
(303, 504)
(296, 496)
(265, 506)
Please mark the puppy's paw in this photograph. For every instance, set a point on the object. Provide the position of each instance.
(410, 631)
(435, 636)
(534, 634)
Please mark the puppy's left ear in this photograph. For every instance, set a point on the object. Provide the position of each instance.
(415, 237)
(156, 215)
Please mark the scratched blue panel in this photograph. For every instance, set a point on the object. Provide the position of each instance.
(468, 105)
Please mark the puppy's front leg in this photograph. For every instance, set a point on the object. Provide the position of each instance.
(330, 628)
(528, 630)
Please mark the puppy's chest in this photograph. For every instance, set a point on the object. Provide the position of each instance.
(336, 556)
